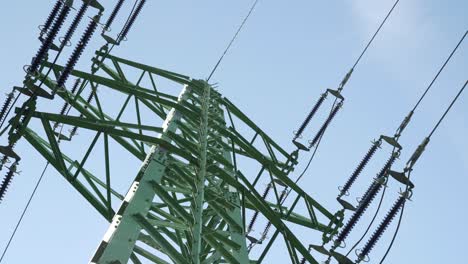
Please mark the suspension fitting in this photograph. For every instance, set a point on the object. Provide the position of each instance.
(345, 80)
(404, 124)
(95, 4)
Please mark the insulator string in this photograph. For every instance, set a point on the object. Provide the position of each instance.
(51, 17)
(76, 21)
(255, 216)
(370, 224)
(7, 180)
(382, 227)
(359, 168)
(366, 200)
(134, 16)
(6, 105)
(114, 13)
(287, 191)
(309, 116)
(48, 41)
(78, 52)
(326, 124)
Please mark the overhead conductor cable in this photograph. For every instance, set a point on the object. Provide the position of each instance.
(402, 127)
(337, 92)
(399, 205)
(338, 97)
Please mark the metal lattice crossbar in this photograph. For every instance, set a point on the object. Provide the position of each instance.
(190, 199)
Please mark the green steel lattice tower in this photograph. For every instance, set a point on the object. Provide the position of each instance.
(190, 199)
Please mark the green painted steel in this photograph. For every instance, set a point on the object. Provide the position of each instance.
(201, 173)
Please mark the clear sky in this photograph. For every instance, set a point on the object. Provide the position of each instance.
(287, 54)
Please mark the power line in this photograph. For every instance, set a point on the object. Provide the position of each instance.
(398, 134)
(232, 40)
(440, 70)
(448, 109)
(409, 170)
(23, 213)
(375, 34)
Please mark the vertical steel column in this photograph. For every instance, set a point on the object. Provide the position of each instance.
(119, 240)
(199, 195)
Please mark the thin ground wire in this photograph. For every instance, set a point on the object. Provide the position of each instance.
(375, 34)
(43, 173)
(232, 40)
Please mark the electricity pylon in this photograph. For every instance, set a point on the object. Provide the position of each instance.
(195, 190)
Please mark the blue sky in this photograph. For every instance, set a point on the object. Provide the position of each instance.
(287, 55)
